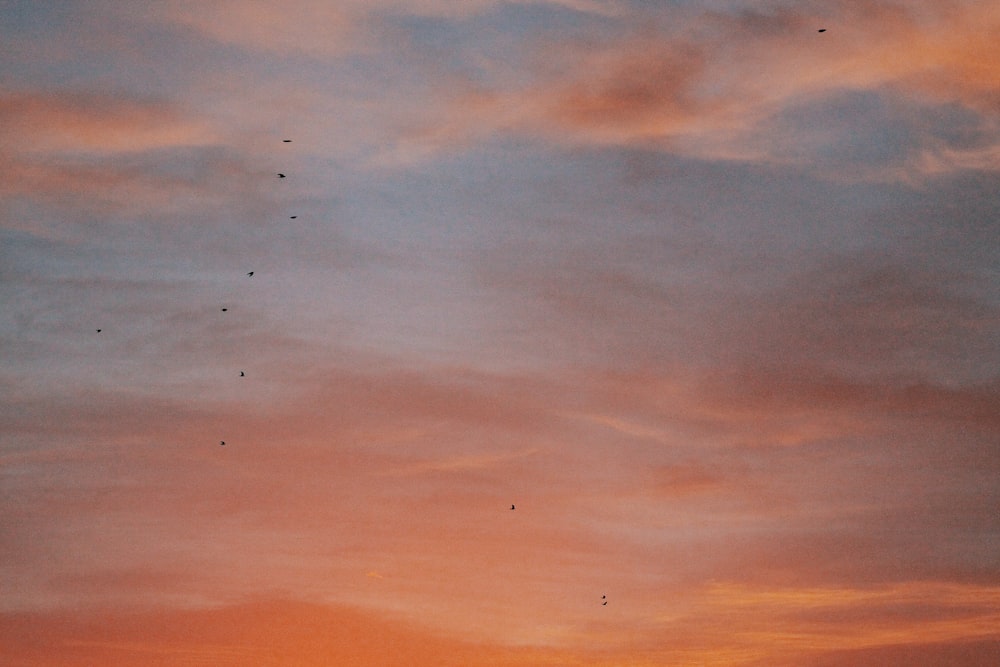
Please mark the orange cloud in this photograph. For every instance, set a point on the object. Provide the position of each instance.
(718, 86)
(265, 632)
(104, 157)
(731, 625)
(800, 623)
(101, 124)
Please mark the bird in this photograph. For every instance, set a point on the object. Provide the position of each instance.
(604, 603)
(281, 175)
(604, 597)
(821, 30)
(222, 443)
(286, 141)
(512, 507)
(242, 374)
(98, 331)
(224, 309)
(293, 217)
(250, 274)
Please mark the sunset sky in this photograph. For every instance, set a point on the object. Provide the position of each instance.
(711, 296)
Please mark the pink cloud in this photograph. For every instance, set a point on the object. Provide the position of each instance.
(45, 123)
(712, 85)
(297, 26)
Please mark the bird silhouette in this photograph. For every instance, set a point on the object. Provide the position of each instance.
(222, 443)
(293, 217)
(242, 374)
(604, 603)
(821, 30)
(512, 507)
(224, 309)
(250, 274)
(281, 175)
(286, 141)
(98, 331)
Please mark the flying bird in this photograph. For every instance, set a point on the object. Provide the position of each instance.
(293, 217)
(281, 175)
(250, 274)
(512, 507)
(224, 309)
(604, 603)
(98, 331)
(222, 443)
(821, 30)
(242, 374)
(287, 141)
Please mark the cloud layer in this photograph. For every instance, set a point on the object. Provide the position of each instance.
(708, 295)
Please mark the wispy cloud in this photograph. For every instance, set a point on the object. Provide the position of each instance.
(460, 464)
(85, 122)
(741, 86)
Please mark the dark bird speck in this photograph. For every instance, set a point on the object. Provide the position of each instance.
(821, 30)
(242, 374)
(292, 217)
(224, 309)
(281, 175)
(222, 443)
(286, 141)
(250, 274)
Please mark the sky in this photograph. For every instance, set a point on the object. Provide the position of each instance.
(710, 296)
